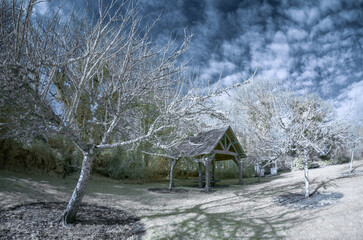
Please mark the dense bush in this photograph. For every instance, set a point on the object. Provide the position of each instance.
(186, 168)
(12, 154)
(121, 164)
(298, 163)
(39, 155)
(229, 169)
(56, 155)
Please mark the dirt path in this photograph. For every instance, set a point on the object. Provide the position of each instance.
(229, 212)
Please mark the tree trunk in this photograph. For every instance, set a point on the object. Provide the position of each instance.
(172, 166)
(200, 180)
(69, 215)
(207, 176)
(306, 174)
(351, 162)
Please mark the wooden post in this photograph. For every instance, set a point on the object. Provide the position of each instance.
(207, 175)
(240, 180)
(200, 175)
(214, 172)
(172, 166)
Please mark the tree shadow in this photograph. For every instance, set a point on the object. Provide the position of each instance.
(167, 190)
(92, 221)
(322, 184)
(354, 169)
(226, 183)
(317, 198)
(357, 166)
(251, 218)
(90, 214)
(245, 218)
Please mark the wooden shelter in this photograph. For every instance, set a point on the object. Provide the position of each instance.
(208, 147)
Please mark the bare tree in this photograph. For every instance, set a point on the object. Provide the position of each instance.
(90, 78)
(257, 113)
(352, 140)
(276, 123)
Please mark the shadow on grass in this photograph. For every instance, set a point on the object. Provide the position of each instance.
(92, 222)
(322, 184)
(356, 166)
(233, 217)
(225, 183)
(167, 190)
(227, 226)
(245, 213)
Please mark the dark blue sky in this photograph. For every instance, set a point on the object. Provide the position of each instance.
(314, 46)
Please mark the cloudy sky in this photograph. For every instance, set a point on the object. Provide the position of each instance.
(313, 46)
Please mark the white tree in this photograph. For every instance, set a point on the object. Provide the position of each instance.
(276, 123)
(258, 112)
(352, 140)
(90, 79)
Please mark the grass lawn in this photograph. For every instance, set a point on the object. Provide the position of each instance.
(231, 211)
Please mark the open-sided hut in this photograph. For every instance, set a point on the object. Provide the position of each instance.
(208, 147)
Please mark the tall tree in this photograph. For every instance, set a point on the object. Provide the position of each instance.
(89, 79)
(257, 112)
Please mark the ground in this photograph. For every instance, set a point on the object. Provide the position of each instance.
(270, 210)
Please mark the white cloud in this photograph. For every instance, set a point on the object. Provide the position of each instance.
(324, 25)
(333, 5)
(341, 79)
(280, 37)
(232, 48)
(349, 15)
(350, 101)
(297, 14)
(274, 60)
(231, 79)
(281, 49)
(214, 69)
(294, 34)
(313, 15)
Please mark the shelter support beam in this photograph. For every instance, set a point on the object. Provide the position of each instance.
(207, 175)
(239, 161)
(213, 172)
(225, 152)
(200, 180)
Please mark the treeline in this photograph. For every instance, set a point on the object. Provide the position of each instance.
(55, 156)
(58, 156)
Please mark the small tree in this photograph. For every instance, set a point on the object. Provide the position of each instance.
(352, 141)
(313, 127)
(276, 123)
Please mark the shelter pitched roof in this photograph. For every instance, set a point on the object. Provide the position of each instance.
(205, 143)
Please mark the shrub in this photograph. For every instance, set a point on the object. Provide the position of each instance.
(38, 156)
(119, 164)
(299, 163)
(12, 154)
